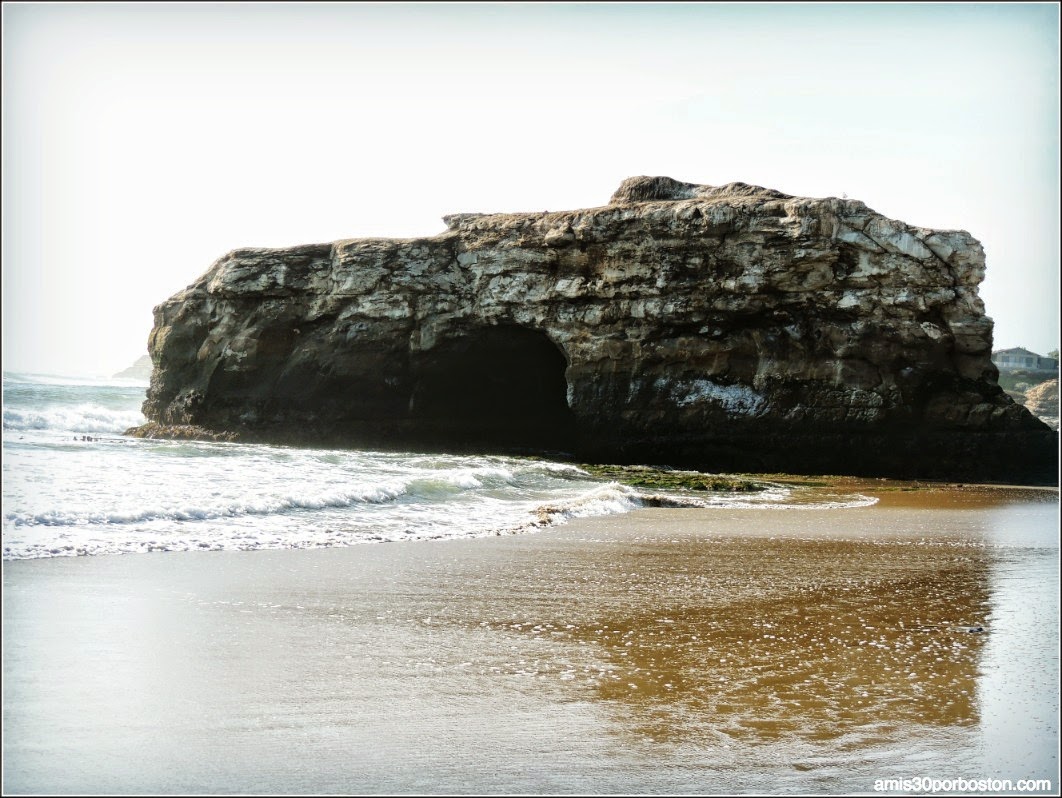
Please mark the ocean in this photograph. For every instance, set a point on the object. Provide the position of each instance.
(74, 485)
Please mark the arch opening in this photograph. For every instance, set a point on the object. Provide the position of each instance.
(500, 388)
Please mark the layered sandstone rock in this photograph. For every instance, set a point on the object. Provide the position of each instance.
(729, 328)
(1042, 401)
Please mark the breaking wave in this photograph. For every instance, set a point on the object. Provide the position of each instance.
(86, 417)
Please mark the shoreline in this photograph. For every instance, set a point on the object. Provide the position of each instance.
(660, 650)
(820, 492)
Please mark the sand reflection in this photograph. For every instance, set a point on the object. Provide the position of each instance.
(758, 638)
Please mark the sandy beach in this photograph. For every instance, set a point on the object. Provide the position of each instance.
(660, 651)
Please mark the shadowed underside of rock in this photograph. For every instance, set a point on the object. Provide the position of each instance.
(730, 328)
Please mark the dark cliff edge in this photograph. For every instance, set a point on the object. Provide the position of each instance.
(727, 329)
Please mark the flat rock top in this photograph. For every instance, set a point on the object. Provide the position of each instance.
(657, 189)
(654, 192)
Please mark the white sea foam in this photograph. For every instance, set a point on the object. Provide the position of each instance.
(82, 418)
(605, 500)
(767, 502)
(262, 505)
(772, 497)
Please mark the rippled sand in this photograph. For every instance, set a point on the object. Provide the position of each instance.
(661, 651)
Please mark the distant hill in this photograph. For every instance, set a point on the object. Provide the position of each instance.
(141, 370)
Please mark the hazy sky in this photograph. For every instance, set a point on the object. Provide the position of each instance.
(142, 142)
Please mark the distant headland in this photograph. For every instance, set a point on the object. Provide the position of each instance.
(140, 370)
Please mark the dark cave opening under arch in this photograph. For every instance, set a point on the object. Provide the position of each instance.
(496, 387)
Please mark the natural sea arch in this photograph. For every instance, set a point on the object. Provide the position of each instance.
(494, 387)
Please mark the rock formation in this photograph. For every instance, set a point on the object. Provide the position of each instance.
(1042, 401)
(730, 328)
(140, 370)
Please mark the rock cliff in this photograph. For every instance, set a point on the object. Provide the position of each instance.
(730, 328)
(1042, 401)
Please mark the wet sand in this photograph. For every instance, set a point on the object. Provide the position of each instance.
(663, 651)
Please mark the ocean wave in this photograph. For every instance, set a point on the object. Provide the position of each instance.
(616, 498)
(848, 502)
(434, 490)
(609, 499)
(264, 525)
(772, 498)
(263, 506)
(58, 534)
(80, 418)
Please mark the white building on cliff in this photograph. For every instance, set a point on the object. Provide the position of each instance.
(1019, 358)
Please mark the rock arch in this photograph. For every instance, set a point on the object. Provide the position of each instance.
(499, 386)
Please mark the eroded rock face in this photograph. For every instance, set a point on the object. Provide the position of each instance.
(729, 328)
(1042, 401)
